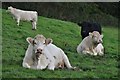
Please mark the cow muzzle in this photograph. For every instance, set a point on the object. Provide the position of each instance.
(38, 53)
(39, 50)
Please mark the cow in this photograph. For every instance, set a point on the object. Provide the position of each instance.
(24, 15)
(44, 54)
(91, 44)
(87, 27)
(30, 59)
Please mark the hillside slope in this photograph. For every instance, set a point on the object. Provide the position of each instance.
(65, 35)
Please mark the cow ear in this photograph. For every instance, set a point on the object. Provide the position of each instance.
(29, 40)
(48, 41)
(11, 7)
(101, 36)
(90, 34)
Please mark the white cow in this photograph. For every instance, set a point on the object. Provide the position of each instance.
(30, 60)
(24, 15)
(91, 44)
(47, 55)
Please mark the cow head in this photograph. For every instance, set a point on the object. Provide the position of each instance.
(96, 37)
(39, 47)
(10, 9)
(39, 42)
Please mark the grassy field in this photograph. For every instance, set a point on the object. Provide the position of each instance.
(65, 35)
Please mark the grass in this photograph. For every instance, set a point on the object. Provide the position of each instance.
(65, 35)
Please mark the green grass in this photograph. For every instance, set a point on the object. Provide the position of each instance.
(65, 35)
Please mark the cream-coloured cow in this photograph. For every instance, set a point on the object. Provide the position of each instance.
(30, 60)
(91, 44)
(24, 15)
(42, 54)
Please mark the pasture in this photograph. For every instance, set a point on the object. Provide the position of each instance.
(65, 35)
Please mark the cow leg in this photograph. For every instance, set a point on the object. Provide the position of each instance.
(51, 66)
(94, 52)
(33, 67)
(26, 65)
(18, 21)
(39, 66)
(33, 25)
(85, 52)
(101, 52)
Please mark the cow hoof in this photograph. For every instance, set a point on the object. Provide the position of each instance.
(28, 67)
(51, 69)
(33, 29)
(94, 54)
(101, 54)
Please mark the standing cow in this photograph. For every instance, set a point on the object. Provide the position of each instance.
(24, 15)
(87, 27)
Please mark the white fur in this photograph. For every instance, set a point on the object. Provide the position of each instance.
(99, 49)
(42, 62)
(24, 15)
(52, 51)
(50, 57)
(28, 59)
(87, 46)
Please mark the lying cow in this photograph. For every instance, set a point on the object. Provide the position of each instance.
(30, 60)
(47, 55)
(87, 27)
(24, 15)
(91, 44)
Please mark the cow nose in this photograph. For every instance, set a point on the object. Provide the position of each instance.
(39, 50)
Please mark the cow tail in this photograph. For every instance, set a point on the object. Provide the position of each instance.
(66, 60)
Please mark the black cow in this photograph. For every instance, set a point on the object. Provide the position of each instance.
(87, 27)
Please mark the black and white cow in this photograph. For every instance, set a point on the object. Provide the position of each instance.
(87, 27)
